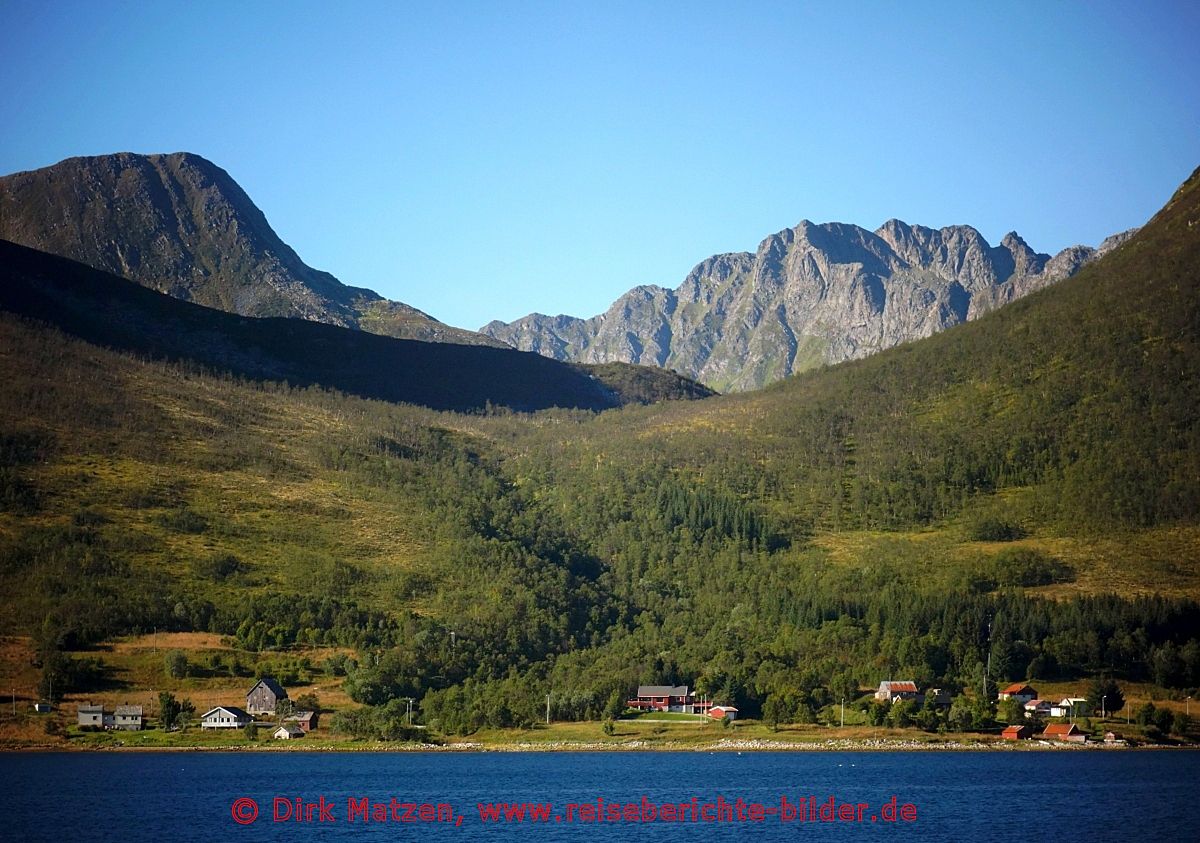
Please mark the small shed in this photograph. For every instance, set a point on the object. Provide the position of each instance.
(287, 732)
(306, 720)
(723, 712)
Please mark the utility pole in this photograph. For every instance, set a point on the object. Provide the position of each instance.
(408, 715)
(843, 712)
(987, 676)
(547, 709)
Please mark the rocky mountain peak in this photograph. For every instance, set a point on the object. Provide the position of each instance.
(808, 295)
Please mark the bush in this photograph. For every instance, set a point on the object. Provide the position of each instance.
(996, 530)
(1024, 567)
(1180, 724)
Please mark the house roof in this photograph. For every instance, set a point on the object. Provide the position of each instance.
(726, 707)
(88, 708)
(274, 687)
(293, 731)
(128, 711)
(898, 685)
(1013, 729)
(228, 709)
(1017, 688)
(1055, 730)
(300, 715)
(662, 690)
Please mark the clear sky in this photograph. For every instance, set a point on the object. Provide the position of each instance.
(486, 160)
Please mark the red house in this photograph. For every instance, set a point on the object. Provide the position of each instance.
(1017, 733)
(668, 698)
(1064, 732)
(723, 712)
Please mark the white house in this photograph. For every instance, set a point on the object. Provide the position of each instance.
(287, 732)
(1037, 708)
(1018, 691)
(225, 717)
(1069, 707)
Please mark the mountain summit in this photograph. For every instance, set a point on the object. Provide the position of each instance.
(809, 295)
(181, 225)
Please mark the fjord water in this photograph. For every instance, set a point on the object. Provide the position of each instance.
(189, 796)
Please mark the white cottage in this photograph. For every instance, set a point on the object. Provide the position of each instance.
(225, 717)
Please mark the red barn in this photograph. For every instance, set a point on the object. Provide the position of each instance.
(1018, 733)
(1064, 732)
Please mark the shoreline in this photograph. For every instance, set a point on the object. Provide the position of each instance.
(724, 746)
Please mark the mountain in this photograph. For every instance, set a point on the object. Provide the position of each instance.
(104, 309)
(1020, 491)
(809, 295)
(181, 225)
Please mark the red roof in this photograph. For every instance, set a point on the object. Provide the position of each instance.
(1016, 688)
(901, 686)
(1058, 730)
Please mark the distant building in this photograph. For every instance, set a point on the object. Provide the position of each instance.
(1037, 708)
(892, 690)
(1018, 691)
(723, 712)
(1069, 707)
(1114, 739)
(938, 696)
(1017, 733)
(225, 717)
(675, 698)
(90, 716)
(265, 696)
(1064, 732)
(306, 720)
(287, 732)
(128, 718)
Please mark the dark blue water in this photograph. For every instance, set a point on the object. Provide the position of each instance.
(1025, 796)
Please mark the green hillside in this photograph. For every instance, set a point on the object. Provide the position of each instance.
(1035, 473)
(117, 313)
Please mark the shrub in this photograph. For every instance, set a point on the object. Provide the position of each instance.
(996, 530)
(1023, 566)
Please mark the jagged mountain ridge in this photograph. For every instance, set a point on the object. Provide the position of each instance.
(181, 225)
(809, 295)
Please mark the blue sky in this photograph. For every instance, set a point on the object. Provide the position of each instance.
(486, 160)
